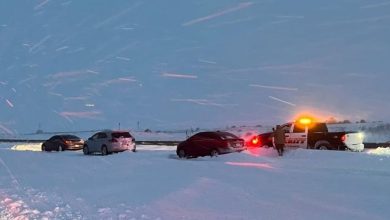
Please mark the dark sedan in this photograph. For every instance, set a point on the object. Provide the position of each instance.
(63, 142)
(210, 144)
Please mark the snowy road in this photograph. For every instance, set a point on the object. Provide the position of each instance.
(154, 184)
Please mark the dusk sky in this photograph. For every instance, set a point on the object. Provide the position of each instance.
(176, 64)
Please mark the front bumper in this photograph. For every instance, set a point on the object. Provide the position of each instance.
(74, 147)
(355, 147)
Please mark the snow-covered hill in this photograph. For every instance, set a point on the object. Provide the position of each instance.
(155, 184)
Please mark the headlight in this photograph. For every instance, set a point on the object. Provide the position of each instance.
(361, 135)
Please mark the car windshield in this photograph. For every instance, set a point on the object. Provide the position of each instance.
(227, 136)
(121, 135)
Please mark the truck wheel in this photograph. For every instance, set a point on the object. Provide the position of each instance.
(322, 145)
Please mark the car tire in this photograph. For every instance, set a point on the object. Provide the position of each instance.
(214, 153)
(43, 147)
(182, 153)
(322, 145)
(85, 150)
(60, 148)
(104, 150)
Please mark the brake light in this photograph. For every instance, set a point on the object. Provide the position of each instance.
(343, 138)
(255, 140)
(113, 140)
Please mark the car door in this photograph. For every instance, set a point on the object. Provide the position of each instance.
(54, 142)
(212, 141)
(194, 145)
(93, 143)
(298, 137)
(208, 142)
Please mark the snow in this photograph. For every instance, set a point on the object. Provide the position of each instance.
(154, 184)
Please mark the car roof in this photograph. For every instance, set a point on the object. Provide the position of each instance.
(215, 132)
(114, 131)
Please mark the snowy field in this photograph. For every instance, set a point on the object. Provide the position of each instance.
(154, 184)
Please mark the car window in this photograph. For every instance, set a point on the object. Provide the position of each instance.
(102, 135)
(319, 127)
(286, 128)
(54, 138)
(227, 136)
(210, 135)
(95, 136)
(70, 137)
(299, 129)
(197, 136)
(121, 134)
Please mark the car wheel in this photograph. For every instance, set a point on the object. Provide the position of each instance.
(60, 148)
(214, 153)
(322, 145)
(85, 150)
(182, 154)
(104, 150)
(43, 147)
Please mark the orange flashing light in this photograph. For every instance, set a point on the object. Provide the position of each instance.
(305, 121)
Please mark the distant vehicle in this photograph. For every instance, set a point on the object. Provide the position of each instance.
(63, 142)
(210, 144)
(106, 142)
(305, 133)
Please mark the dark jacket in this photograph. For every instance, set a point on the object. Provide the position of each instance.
(279, 136)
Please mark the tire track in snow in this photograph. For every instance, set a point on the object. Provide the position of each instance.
(13, 178)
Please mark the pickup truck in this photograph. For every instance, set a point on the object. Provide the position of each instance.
(315, 136)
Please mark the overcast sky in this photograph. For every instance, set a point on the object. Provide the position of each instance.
(74, 65)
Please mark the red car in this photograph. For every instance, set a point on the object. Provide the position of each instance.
(210, 144)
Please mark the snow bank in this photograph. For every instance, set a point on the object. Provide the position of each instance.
(380, 151)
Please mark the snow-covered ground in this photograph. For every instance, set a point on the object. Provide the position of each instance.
(154, 184)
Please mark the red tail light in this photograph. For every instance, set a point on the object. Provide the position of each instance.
(343, 138)
(255, 140)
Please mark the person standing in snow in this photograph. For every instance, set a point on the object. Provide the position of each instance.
(279, 139)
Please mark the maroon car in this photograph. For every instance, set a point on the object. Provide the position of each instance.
(210, 144)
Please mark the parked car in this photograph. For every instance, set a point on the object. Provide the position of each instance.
(106, 142)
(210, 144)
(63, 142)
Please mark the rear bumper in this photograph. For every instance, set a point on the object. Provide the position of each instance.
(74, 147)
(120, 148)
(231, 150)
